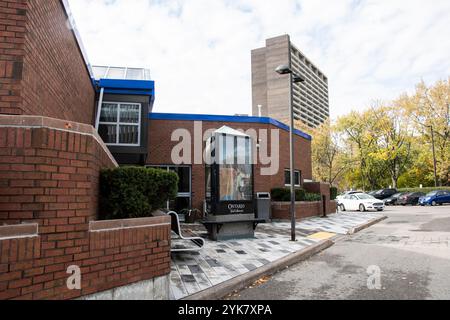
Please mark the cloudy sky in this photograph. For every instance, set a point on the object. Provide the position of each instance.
(199, 50)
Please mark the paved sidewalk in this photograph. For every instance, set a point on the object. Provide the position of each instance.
(224, 260)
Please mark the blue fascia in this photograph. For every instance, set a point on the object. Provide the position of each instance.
(224, 118)
(132, 87)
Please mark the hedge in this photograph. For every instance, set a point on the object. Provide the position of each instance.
(134, 192)
(424, 190)
(284, 195)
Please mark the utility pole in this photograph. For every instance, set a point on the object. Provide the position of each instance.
(434, 157)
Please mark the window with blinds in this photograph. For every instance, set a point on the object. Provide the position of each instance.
(120, 123)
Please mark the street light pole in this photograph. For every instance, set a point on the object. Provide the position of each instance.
(293, 78)
(291, 151)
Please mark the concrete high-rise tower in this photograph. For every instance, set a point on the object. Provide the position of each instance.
(271, 91)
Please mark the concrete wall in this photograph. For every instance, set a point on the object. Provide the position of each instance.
(270, 89)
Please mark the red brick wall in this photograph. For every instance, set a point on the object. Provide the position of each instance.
(49, 173)
(12, 43)
(281, 210)
(160, 149)
(42, 69)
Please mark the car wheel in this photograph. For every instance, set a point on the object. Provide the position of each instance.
(362, 208)
(433, 203)
(342, 207)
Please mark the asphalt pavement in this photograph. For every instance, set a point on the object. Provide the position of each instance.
(406, 256)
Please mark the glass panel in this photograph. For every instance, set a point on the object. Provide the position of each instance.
(179, 204)
(184, 175)
(99, 72)
(135, 74)
(116, 73)
(242, 153)
(147, 74)
(287, 177)
(108, 132)
(208, 181)
(128, 134)
(236, 182)
(129, 113)
(297, 178)
(108, 113)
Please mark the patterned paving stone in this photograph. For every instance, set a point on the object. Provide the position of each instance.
(221, 261)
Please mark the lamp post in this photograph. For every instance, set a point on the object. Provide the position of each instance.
(293, 78)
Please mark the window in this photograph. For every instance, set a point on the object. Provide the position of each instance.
(297, 177)
(120, 123)
(183, 200)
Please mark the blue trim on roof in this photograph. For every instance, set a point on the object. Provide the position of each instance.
(224, 118)
(137, 87)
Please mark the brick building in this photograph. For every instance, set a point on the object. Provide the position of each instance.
(61, 122)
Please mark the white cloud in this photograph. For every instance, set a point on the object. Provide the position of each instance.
(199, 50)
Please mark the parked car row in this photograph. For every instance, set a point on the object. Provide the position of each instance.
(391, 197)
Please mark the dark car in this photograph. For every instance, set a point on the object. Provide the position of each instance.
(384, 193)
(392, 200)
(436, 197)
(410, 198)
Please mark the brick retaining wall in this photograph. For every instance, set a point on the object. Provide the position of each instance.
(49, 174)
(281, 210)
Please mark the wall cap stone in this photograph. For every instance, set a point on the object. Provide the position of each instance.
(107, 225)
(25, 121)
(16, 231)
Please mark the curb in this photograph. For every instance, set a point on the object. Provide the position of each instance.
(240, 282)
(366, 225)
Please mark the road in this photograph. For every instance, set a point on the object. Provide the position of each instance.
(410, 251)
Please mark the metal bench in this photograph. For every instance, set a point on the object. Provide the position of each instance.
(219, 224)
(198, 241)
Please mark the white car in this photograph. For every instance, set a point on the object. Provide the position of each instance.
(341, 196)
(361, 202)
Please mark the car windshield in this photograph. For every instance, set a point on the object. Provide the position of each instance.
(364, 196)
(432, 193)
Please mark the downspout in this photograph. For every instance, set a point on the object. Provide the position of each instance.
(99, 108)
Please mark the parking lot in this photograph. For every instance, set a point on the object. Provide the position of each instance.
(410, 249)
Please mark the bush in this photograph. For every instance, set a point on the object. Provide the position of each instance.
(299, 195)
(313, 197)
(424, 190)
(281, 194)
(333, 193)
(284, 195)
(134, 192)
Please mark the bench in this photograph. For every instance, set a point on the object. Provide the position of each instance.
(219, 224)
(198, 241)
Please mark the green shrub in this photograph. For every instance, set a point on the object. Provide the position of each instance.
(313, 197)
(281, 194)
(333, 193)
(299, 195)
(424, 190)
(284, 195)
(133, 192)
